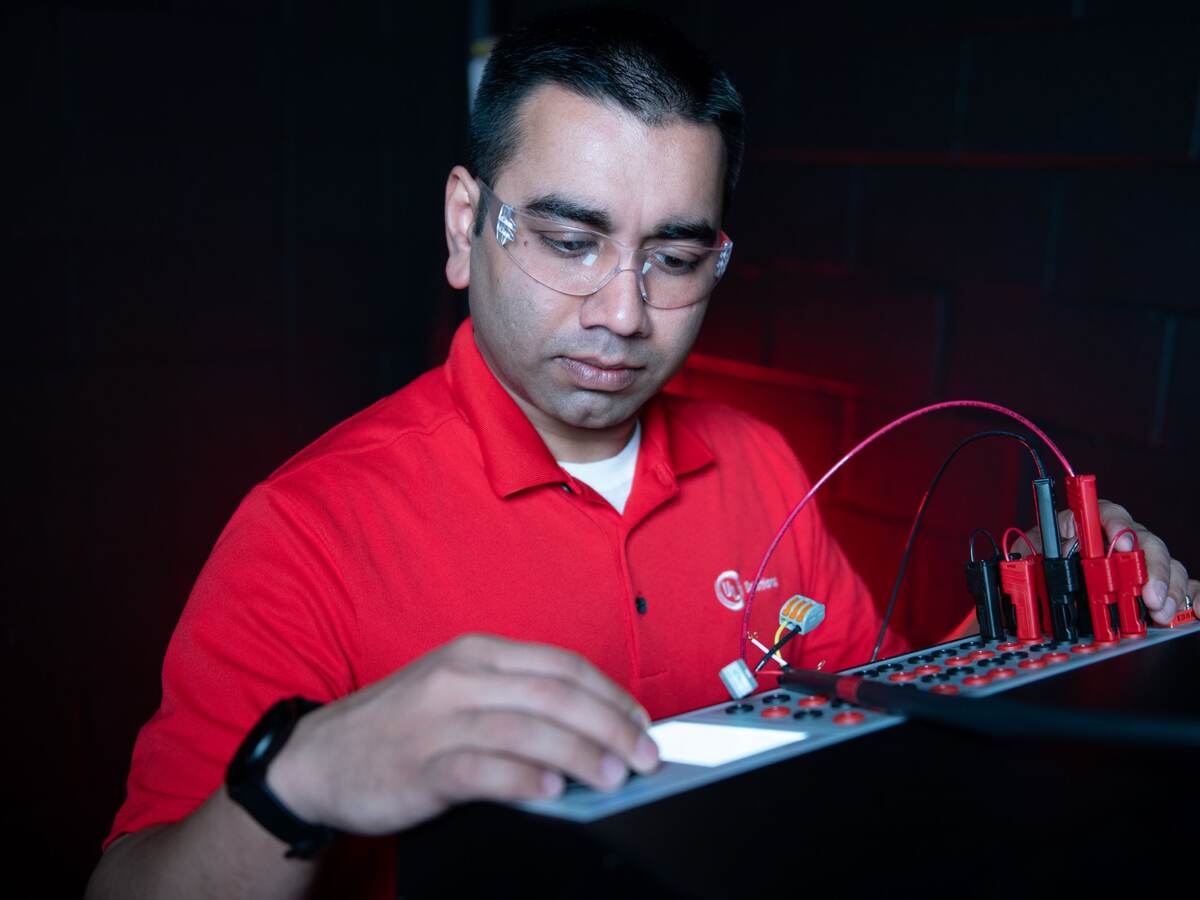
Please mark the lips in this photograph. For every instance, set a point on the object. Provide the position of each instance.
(595, 375)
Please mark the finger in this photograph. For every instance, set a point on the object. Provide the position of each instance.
(1032, 537)
(1115, 519)
(1124, 541)
(1192, 598)
(542, 659)
(1176, 591)
(1158, 571)
(1066, 529)
(571, 706)
(1066, 525)
(468, 774)
(536, 741)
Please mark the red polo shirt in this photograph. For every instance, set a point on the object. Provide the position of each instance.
(439, 511)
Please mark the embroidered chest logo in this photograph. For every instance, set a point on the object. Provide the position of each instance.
(731, 590)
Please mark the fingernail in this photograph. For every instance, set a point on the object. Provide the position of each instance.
(640, 716)
(552, 785)
(1158, 594)
(612, 770)
(645, 754)
(1169, 607)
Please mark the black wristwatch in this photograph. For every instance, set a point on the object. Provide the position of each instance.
(246, 779)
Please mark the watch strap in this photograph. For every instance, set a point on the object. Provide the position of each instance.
(304, 839)
(246, 780)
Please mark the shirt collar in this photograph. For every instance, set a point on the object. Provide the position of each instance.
(514, 455)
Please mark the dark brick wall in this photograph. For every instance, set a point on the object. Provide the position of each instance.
(210, 259)
(994, 201)
(989, 200)
(221, 237)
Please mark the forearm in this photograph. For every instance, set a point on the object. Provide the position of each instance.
(218, 851)
(481, 718)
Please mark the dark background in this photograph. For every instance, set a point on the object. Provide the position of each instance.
(222, 235)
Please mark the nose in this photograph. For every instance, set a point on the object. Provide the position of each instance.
(618, 306)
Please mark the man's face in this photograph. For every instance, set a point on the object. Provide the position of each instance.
(591, 362)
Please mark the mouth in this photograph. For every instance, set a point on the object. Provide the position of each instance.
(599, 375)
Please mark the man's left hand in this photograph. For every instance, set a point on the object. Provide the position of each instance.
(1168, 584)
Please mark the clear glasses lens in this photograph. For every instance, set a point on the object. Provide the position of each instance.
(579, 262)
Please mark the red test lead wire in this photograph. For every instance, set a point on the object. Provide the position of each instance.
(1085, 506)
(1114, 578)
(1020, 532)
(1124, 531)
(1131, 578)
(891, 426)
(1024, 582)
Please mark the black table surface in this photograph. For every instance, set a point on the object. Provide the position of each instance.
(913, 808)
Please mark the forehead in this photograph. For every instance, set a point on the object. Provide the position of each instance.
(601, 154)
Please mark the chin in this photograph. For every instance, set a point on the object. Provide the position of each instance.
(600, 416)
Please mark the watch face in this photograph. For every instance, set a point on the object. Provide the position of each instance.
(258, 751)
(255, 752)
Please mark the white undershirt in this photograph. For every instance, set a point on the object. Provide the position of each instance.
(611, 478)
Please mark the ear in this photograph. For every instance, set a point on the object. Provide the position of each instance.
(462, 197)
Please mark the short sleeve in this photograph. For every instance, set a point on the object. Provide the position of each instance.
(268, 617)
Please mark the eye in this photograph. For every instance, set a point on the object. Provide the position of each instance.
(570, 244)
(675, 261)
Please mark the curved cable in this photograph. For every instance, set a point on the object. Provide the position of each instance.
(1021, 536)
(971, 543)
(891, 426)
(1129, 531)
(916, 524)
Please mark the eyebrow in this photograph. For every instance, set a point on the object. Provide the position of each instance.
(686, 230)
(556, 206)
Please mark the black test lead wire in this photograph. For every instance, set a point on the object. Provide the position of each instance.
(917, 519)
(779, 644)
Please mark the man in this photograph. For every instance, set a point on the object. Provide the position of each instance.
(537, 488)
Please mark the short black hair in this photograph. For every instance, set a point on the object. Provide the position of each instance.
(637, 61)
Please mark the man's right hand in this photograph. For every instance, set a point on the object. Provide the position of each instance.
(481, 718)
